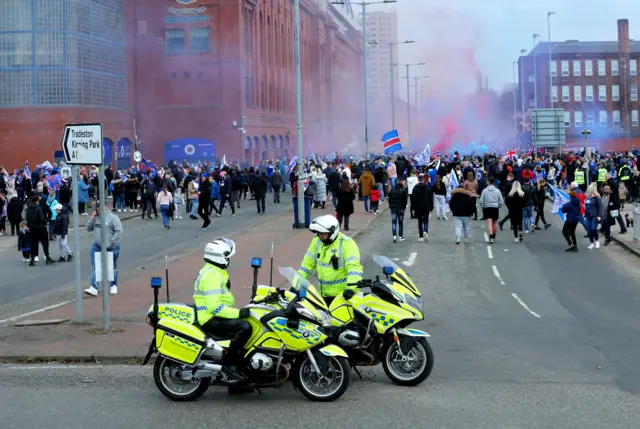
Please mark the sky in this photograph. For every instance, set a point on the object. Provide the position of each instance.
(494, 31)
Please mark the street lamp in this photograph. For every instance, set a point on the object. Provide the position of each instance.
(550, 75)
(515, 103)
(409, 99)
(364, 5)
(393, 95)
(535, 72)
(298, 88)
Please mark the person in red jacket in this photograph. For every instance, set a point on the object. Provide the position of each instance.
(375, 198)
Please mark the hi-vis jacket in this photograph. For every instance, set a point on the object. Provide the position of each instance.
(212, 296)
(318, 256)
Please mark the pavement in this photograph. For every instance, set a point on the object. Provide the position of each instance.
(525, 335)
(34, 287)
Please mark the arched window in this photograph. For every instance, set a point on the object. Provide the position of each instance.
(260, 30)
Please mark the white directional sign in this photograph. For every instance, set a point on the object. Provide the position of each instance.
(82, 144)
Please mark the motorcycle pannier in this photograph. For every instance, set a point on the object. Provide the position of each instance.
(179, 341)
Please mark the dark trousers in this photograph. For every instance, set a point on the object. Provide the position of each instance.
(39, 236)
(226, 199)
(15, 228)
(540, 215)
(236, 329)
(82, 208)
(203, 211)
(213, 207)
(342, 217)
(276, 193)
(569, 232)
(475, 208)
(260, 204)
(423, 223)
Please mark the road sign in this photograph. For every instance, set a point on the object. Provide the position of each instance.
(548, 128)
(137, 156)
(82, 144)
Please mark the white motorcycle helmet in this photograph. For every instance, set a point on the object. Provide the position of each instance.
(219, 252)
(326, 224)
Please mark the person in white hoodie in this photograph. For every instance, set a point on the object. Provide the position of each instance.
(491, 200)
(412, 181)
(320, 194)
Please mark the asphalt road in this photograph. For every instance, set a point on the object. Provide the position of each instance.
(144, 244)
(551, 345)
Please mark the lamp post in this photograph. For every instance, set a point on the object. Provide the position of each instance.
(393, 95)
(298, 88)
(522, 52)
(535, 72)
(364, 5)
(409, 99)
(418, 106)
(550, 75)
(515, 99)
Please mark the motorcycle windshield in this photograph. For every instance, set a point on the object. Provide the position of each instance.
(383, 261)
(294, 278)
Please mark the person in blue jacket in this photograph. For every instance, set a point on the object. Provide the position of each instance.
(572, 218)
(83, 195)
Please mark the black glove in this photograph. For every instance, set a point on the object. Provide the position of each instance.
(348, 294)
(293, 290)
(244, 313)
(280, 291)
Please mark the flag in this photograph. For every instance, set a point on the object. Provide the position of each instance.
(292, 163)
(560, 198)
(391, 141)
(223, 161)
(146, 164)
(54, 182)
(437, 154)
(454, 180)
(332, 156)
(426, 153)
(509, 155)
(313, 158)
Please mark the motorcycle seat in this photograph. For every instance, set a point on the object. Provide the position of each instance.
(220, 337)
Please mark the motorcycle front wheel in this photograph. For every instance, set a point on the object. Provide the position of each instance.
(413, 368)
(168, 377)
(333, 383)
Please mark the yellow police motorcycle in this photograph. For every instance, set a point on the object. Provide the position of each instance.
(285, 344)
(373, 326)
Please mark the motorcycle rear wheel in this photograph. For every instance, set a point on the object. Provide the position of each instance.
(397, 371)
(337, 379)
(165, 381)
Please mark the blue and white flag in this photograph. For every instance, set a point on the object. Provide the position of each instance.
(332, 156)
(223, 161)
(560, 198)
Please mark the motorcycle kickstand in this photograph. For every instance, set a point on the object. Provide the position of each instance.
(357, 371)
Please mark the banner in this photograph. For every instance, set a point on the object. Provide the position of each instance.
(560, 198)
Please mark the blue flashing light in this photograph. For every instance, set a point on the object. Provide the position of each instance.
(156, 282)
(302, 293)
(256, 262)
(387, 270)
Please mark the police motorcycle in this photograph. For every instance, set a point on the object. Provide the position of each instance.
(373, 326)
(287, 342)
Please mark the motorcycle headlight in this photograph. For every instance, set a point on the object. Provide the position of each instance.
(326, 319)
(415, 302)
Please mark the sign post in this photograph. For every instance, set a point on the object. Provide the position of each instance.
(82, 145)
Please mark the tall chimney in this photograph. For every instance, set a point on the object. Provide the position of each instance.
(623, 59)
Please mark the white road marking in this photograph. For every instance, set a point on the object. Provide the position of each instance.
(521, 302)
(486, 237)
(412, 259)
(31, 313)
(497, 274)
(490, 252)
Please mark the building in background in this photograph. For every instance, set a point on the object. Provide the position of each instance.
(595, 82)
(382, 29)
(187, 79)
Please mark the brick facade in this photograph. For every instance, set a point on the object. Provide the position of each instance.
(247, 75)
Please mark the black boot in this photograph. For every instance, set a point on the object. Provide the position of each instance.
(69, 258)
(50, 261)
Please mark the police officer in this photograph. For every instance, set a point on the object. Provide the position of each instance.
(624, 174)
(579, 178)
(336, 258)
(215, 303)
(602, 173)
